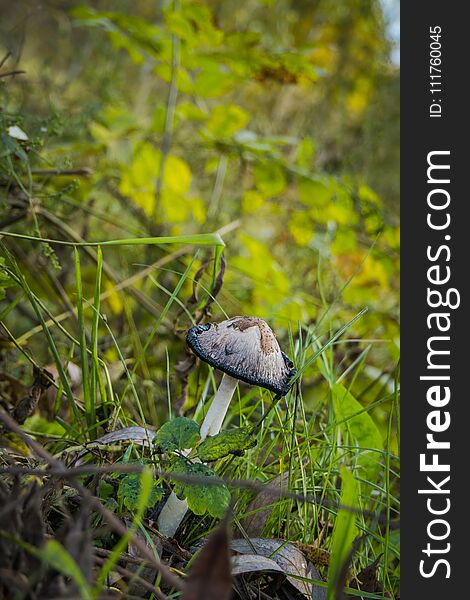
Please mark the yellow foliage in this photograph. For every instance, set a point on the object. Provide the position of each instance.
(225, 121)
(114, 299)
(300, 226)
(139, 181)
(370, 273)
(252, 201)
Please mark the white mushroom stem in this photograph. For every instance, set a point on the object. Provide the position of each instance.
(218, 409)
(174, 510)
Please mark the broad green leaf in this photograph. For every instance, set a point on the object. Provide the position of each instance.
(57, 557)
(179, 26)
(362, 429)
(177, 434)
(177, 176)
(225, 121)
(213, 80)
(130, 32)
(258, 263)
(203, 19)
(233, 441)
(214, 499)
(139, 179)
(344, 243)
(314, 193)
(344, 532)
(189, 111)
(39, 424)
(130, 489)
(270, 178)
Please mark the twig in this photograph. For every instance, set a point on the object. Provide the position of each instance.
(4, 59)
(130, 575)
(80, 171)
(11, 73)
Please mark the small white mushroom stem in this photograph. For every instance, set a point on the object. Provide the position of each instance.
(218, 409)
(174, 510)
(171, 515)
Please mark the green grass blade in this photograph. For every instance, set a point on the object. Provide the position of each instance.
(95, 366)
(344, 533)
(56, 556)
(198, 239)
(87, 392)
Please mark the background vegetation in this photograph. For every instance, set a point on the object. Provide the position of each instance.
(271, 123)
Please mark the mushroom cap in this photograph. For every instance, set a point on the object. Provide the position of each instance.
(245, 348)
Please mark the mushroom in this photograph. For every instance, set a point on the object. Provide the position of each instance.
(244, 349)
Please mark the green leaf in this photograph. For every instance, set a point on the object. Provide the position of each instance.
(213, 81)
(270, 178)
(214, 499)
(344, 531)
(38, 424)
(225, 121)
(56, 556)
(177, 434)
(233, 441)
(105, 490)
(314, 192)
(129, 492)
(363, 431)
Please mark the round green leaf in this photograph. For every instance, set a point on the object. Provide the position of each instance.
(130, 488)
(201, 498)
(177, 434)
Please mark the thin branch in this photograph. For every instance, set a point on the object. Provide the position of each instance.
(12, 73)
(80, 171)
(4, 59)
(169, 117)
(134, 576)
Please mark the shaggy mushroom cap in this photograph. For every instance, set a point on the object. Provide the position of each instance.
(245, 348)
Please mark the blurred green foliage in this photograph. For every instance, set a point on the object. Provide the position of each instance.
(272, 121)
